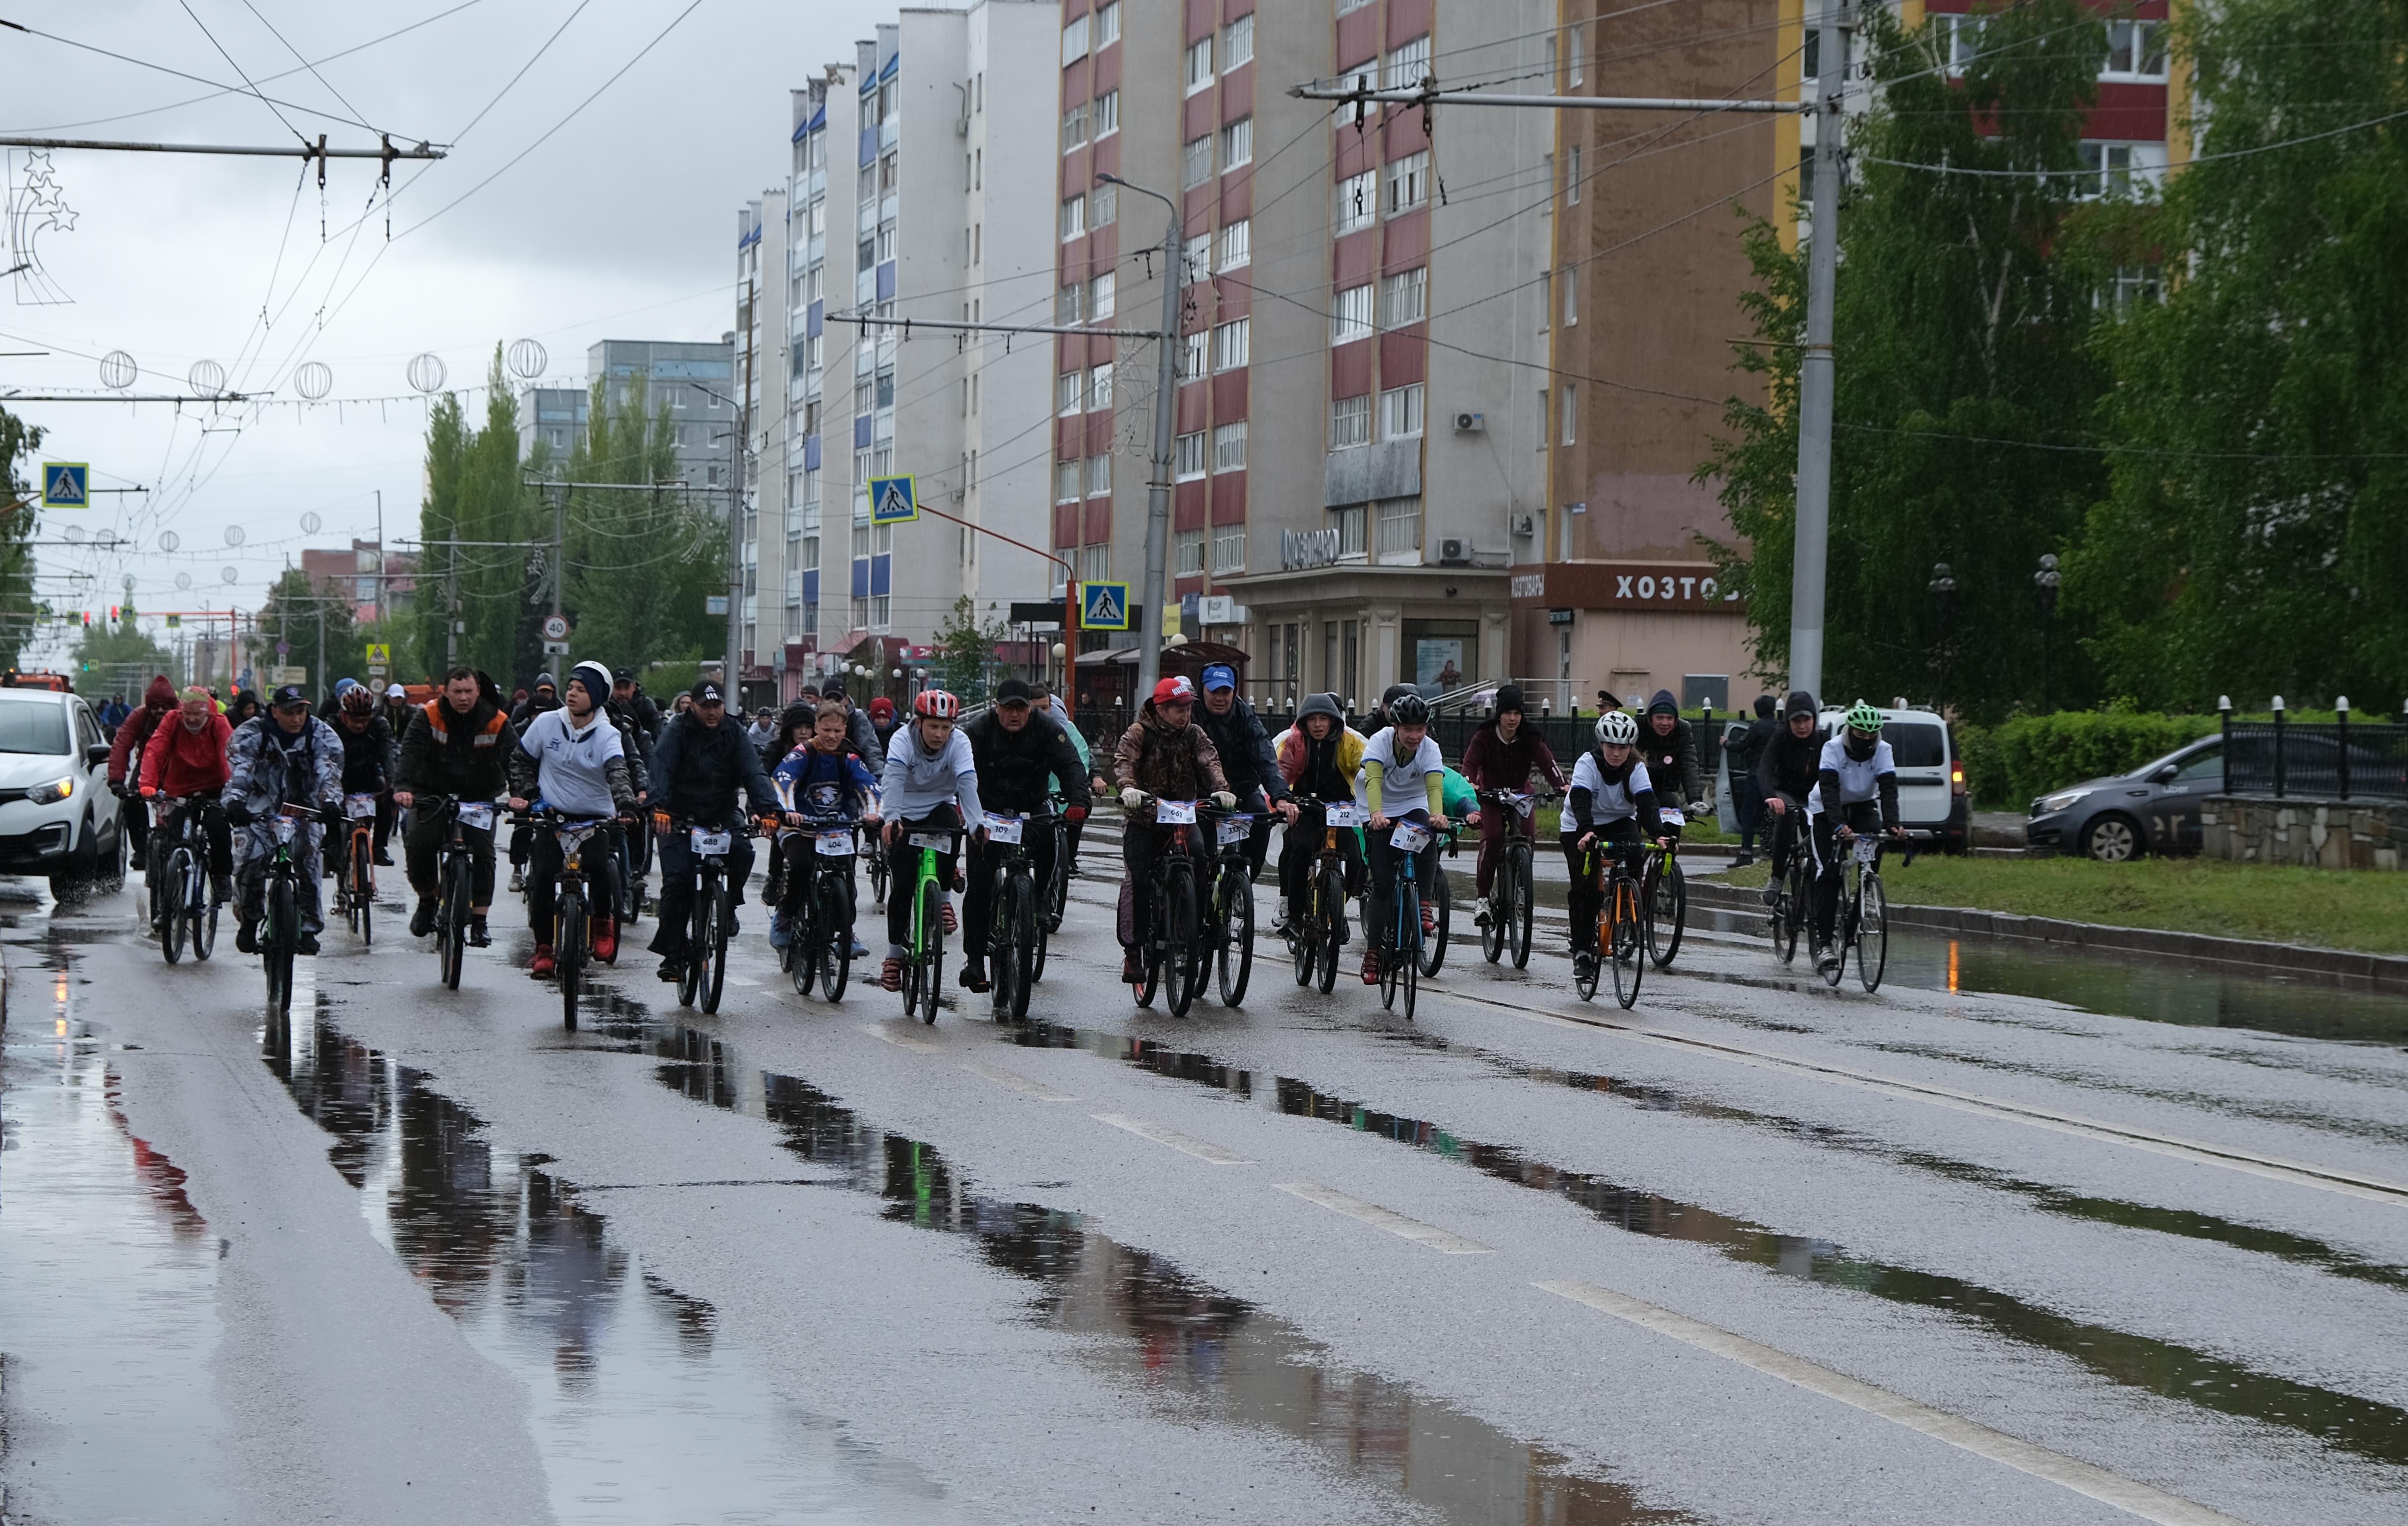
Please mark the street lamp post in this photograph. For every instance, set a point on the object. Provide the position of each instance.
(1944, 589)
(1157, 487)
(2045, 581)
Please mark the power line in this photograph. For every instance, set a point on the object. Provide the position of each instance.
(2184, 163)
(296, 53)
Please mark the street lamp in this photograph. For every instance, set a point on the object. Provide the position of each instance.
(2045, 581)
(1157, 486)
(1944, 590)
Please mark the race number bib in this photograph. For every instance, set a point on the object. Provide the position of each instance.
(1003, 829)
(1347, 815)
(1408, 838)
(834, 845)
(1174, 812)
(359, 807)
(477, 814)
(283, 828)
(1522, 804)
(710, 843)
(1671, 816)
(1235, 829)
(1868, 849)
(933, 841)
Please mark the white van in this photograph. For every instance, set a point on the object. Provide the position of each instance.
(1930, 776)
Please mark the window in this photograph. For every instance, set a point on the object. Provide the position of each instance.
(1193, 355)
(1189, 458)
(1099, 388)
(1238, 142)
(1356, 204)
(1096, 563)
(1199, 65)
(2114, 170)
(1232, 344)
(1099, 476)
(1573, 175)
(1228, 549)
(1196, 162)
(1349, 7)
(1351, 319)
(1547, 166)
(1400, 412)
(2135, 50)
(1104, 205)
(1404, 297)
(1074, 41)
(1350, 422)
(1573, 56)
(1409, 182)
(1074, 217)
(1236, 244)
(1570, 285)
(1068, 389)
(1194, 258)
(1963, 39)
(1406, 66)
(1572, 413)
(1348, 523)
(1190, 549)
(1074, 127)
(1399, 525)
(1100, 294)
(1107, 114)
(2137, 283)
(1066, 484)
(1108, 24)
(1237, 43)
(1066, 304)
(1229, 446)
(978, 169)
(1543, 418)
(1546, 299)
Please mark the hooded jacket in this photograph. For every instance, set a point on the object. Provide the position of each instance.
(1671, 759)
(698, 768)
(1246, 749)
(157, 700)
(176, 762)
(1490, 762)
(1182, 765)
(1320, 771)
(1016, 769)
(266, 771)
(368, 756)
(464, 757)
(916, 782)
(1790, 763)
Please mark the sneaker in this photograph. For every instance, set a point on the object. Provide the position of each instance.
(859, 950)
(1770, 894)
(605, 939)
(1371, 965)
(889, 977)
(1429, 918)
(306, 944)
(543, 966)
(1585, 966)
(1480, 912)
(974, 976)
(421, 921)
(781, 934)
(670, 972)
(477, 936)
(518, 879)
(221, 889)
(1827, 960)
(246, 937)
(945, 915)
(1132, 972)
(1279, 917)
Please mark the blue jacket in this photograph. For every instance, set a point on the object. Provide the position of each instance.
(822, 784)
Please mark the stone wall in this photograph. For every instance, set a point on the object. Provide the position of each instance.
(2317, 834)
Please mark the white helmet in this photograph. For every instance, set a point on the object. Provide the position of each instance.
(1616, 727)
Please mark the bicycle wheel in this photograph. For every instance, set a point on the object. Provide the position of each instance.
(714, 979)
(1788, 915)
(1586, 969)
(569, 957)
(1525, 898)
(878, 874)
(1004, 947)
(1333, 923)
(201, 925)
(364, 883)
(1501, 915)
(285, 918)
(1180, 929)
(1029, 939)
(451, 920)
(697, 948)
(932, 950)
(1441, 904)
(1872, 935)
(801, 956)
(1844, 935)
(1668, 914)
(836, 942)
(1036, 959)
(1630, 936)
(171, 925)
(1235, 936)
(1057, 889)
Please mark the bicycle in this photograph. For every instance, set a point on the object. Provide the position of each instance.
(1017, 939)
(572, 920)
(1665, 892)
(1170, 949)
(881, 871)
(1511, 895)
(1231, 905)
(705, 974)
(1864, 908)
(1793, 901)
(635, 851)
(355, 886)
(1621, 923)
(279, 928)
(819, 941)
(923, 962)
(180, 887)
(1400, 958)
(1317, 929)
(1441, 901)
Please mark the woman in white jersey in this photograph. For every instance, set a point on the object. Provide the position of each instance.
(1612, 802)
(1855, 786)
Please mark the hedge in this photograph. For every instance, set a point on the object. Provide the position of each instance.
(2007, 765)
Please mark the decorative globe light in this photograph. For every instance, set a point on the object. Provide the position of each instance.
(206, 377)
(314, 379)
(426, 372)
(118, 370)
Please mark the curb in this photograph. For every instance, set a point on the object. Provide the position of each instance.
(2383, 971)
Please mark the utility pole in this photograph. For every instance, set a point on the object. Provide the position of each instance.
(736, 502)
(380, 582)
(1812, 534)
(1151, 593)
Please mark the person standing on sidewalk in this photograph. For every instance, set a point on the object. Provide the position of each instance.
(1744, 747)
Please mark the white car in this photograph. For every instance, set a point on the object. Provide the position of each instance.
(1931, 795)
(57, 817)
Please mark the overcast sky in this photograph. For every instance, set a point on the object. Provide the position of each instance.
(620, 224)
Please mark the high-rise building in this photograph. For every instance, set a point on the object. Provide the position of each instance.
(695, 380)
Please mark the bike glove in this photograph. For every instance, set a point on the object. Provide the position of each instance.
(1076, 812)
(1225, 801)
(1133, 799)
(238, 812)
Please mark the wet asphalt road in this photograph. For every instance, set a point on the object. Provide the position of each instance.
(1752, 1252)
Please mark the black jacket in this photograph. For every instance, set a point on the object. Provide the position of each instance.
(1788, 764)
(1745, 744)
(464, 757)
(1671, 761)
(697, 770)
(368, 756)
(1246, 756)
(536, 705)
(1015, 768)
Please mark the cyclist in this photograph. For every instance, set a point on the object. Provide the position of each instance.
(1670, 751)
(1162, 755)
(1318, 760)
(930, 784)
(1246, 758)
(1612, 801)
(125, 755)
(397, 711)
(458, 744)
(286, 756)
(823, 778)
(1018, 755)
(858, 728)
(1403, 779)
(1785, 775)
(1502, 755)
(575, 761)
(369, 757)
(542, 701)
(1744, 747)
(629, 701)
(186, 760)
(882, 722)
(700, 763)
(1855, 787)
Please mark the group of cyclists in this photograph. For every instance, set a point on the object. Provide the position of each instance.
(598, 750)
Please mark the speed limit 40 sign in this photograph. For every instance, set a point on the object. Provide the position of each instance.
(555, 627)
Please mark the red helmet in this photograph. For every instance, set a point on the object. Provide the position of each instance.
(936, 705)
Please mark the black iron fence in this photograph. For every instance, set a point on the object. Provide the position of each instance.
(2328, 762)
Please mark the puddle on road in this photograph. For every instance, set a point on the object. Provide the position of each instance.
(2343, 1421)
(1186, 1342)
(108, 1279)
(639, 1413)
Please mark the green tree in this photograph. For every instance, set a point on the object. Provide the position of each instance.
(17, 611)
(1959, 330)
(965, 650)
(118, 658)
(476, 492)
(643, 558)
(2255, 539)
(315, 621)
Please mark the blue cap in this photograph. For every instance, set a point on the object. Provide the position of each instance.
(1220, 675)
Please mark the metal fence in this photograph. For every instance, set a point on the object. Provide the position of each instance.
(2316, 761)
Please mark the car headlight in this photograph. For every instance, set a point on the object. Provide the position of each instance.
(52, 793)
(2059, 801)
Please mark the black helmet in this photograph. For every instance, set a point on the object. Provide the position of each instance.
(1409, 709)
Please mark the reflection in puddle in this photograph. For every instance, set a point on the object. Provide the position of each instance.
(108, 1288)
(2343, 1420)
(641, 1414)
(1190, 1343)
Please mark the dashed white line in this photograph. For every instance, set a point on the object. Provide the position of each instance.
(1017, 1082)
(899, 1037)
(1202, 1149)
(1445, 1242)
(2140, 1498)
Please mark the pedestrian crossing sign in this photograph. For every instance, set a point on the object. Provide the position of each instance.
(64, 485)
(1103, 606)
(893, 500)
(379, 654)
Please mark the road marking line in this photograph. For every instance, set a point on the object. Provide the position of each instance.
(2274, 1168)
(1444, 1241)
(900, 1041)
(742, 980)
(1202, 1149)
(2056, 1467)
(1016, 1081)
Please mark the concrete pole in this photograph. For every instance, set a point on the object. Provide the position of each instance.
(1154, 592)
(1815, 367)
(736, 508)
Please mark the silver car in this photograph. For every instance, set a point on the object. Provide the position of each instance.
(57, 817)
(2153, 809)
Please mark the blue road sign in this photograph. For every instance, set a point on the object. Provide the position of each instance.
(64, 485)
(1103, 606)
(893, 500)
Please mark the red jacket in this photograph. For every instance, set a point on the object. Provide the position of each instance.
(176, 762)
(159, 700)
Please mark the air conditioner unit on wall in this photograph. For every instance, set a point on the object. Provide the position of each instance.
(1525, 525)
(1454, 550)
(1469, 424)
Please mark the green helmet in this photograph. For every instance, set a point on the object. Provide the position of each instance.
(1864, 717)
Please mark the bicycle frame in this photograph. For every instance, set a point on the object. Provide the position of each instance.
(923, 969)
(817, 949)
(1016, 931)
(1171, 956)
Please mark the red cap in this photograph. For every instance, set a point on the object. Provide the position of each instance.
(1174, 688)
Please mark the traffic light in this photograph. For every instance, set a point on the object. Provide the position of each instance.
(112, 614)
